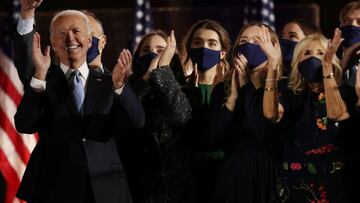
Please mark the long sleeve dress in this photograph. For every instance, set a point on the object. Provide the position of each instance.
(249, 172)
(313, 165)
(158, 158)
(205, 138)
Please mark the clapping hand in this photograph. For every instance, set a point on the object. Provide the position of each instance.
(220, 74)
(122, 69)
(41, 61)
(240, 64)
(332, 47)
(163, 58)
(169, 50)
(272, 51)
(357, 85)
(238, 79)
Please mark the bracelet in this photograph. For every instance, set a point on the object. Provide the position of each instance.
(331, 75)
(270, 88)
(270, 80)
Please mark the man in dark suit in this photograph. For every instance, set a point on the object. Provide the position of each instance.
(60, 164)
(107, 174)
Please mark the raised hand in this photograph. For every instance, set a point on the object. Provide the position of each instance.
(357, 85)
(196, 75)
(332, 47)
(220, 74)
(236, 78)
(272, 51)
(169, 50)
(188, 68)
(41, 61)
(240, 64)
(153, 65)
(122, 69)
(28, 8)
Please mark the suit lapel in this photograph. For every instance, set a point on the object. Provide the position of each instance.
(62, 87)
(95, 87)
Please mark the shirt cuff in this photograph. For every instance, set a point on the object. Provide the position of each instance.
(38, 85)
(25, 26)
(120, 90)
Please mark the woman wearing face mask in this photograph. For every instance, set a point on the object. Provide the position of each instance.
(205, 47)
(350, 26)
(310, 111)
(163, 160)
(248, 174)
(292, 32)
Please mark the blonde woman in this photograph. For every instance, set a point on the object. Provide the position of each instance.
(248, 174)
(310, 111)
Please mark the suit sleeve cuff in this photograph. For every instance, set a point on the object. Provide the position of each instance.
(38, 85)
(120, 90)
(25, 26)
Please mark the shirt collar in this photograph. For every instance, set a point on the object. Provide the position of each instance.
(83, 69)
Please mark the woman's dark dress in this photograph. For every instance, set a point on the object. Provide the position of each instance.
(159, 161)
(248, 174)
(205, 138)
(312, 170)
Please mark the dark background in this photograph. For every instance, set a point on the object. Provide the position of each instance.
(329, 8)
(117, 18)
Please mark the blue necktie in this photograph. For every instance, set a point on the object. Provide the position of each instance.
(77, 89)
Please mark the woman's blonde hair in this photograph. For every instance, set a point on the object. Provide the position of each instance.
(273, 37)
(296, 81)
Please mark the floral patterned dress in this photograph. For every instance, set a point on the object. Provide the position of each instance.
(312, 170)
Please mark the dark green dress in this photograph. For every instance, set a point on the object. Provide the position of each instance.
(205, 138)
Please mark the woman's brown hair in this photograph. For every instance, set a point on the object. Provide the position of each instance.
(160, 33)
(209, 25)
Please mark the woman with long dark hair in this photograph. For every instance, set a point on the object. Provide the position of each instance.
(163, 160)
(205, 50)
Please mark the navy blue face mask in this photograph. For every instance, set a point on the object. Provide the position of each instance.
(253, 53)
(287, 48)
(204, 58)
(93, 51)
(142, 63)
(351, 35)
(311, 69)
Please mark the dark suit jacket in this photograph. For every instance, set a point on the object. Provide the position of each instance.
(58, 166)
(71, 145)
